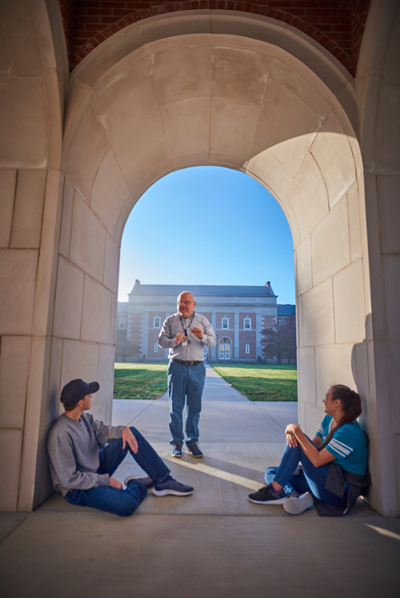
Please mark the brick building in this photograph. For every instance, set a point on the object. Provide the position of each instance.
(238, 314)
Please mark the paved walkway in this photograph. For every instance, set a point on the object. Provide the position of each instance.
(214, 544)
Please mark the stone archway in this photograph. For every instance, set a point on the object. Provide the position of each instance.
(242, 92)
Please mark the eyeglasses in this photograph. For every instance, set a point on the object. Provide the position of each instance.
(185, 302)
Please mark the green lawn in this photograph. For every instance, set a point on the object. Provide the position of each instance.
(139, 380)
(261, 382)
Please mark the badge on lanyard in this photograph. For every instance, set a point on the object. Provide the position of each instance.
(185, 330)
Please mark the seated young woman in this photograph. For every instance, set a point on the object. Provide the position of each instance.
(339, 440)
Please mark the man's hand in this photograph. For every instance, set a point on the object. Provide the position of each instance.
(197, 332)
(128, 438)
(115, 484)
(179, 338)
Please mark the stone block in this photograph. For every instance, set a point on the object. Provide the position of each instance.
(394, 356)
(269, 169)
(285, 117)
(7, 194)
(66, 219)
(333, 154)
(391, 266)
(23, 141)
(111, 264)
(54, 407)
(182, 72)
(86, 153)
(131, 71)
(10, 449)
(106, 373)
(318, 315)
(132, 133)
(110, 191)
(313, 416)
(5, 58)
(308, 196)
(80, 360)
(20, 29)
(333, 366)
(171, 25)
(96, 313)
(14, 367)
(239, 74)
(87, 240)
(186, 126)
(232, 128)
(353, 209)
(389, 211)
(388, 120)
(146, 171)
(17, 290)
(69, 299)
(306, 381)
(304, 266)
(359, 367)
(348, 295)
(330, 244)
(28, 208)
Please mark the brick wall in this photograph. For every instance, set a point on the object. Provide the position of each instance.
(338, 25)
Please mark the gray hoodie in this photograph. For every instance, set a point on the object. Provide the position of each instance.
(74, 452)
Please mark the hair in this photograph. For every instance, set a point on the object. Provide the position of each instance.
(69, 407)
(351, 404)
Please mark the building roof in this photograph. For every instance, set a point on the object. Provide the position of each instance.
(286, 310)
(203, 290)
(122, 308)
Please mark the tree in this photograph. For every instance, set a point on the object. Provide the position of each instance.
(124, 348)
(280, 341)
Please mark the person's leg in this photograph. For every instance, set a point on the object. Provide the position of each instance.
(177, 375)
(111, 500)
(296, 484)
(195, 386)
(148, 459)
(314, 476)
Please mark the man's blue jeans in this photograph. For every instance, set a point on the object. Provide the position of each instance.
(313, 480)
(185, 382)
(112, 500)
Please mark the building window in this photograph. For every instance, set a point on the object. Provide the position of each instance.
(122, 323)
(157, 322)
(224, 348)
(155, 347)
(247, 349)
(225, 322)
(247, 323)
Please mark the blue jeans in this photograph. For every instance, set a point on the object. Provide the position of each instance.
(313, 480)
(185, 382)
(112, 500)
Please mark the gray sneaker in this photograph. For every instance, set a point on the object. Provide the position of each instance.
(295, 505)
(171, 486)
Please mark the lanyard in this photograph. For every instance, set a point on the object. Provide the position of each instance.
(188, 326)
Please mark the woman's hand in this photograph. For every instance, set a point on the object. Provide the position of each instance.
(292, 429)
(291, 440)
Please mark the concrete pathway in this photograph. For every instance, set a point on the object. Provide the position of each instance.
(214, 544)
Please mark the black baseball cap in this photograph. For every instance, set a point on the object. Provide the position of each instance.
(76, 390)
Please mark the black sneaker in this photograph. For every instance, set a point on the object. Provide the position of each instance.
(268, 496)
(194, 451)
(136, 479)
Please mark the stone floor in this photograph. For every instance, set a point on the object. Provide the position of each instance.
(214, 543)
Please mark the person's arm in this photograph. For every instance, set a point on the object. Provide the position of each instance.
(63, 463)
(317, 440)
(104, 433)
(316, 457)
(206, 336)
(166, 340)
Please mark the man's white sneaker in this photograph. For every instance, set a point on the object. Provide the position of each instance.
(298, 504)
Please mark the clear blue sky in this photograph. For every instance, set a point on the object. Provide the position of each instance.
(208, 225)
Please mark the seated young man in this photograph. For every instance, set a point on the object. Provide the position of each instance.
(82, 469)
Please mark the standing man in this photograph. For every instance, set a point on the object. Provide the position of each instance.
(186, 334)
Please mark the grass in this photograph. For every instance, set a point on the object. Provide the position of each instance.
(139, 380)
(261, 382)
